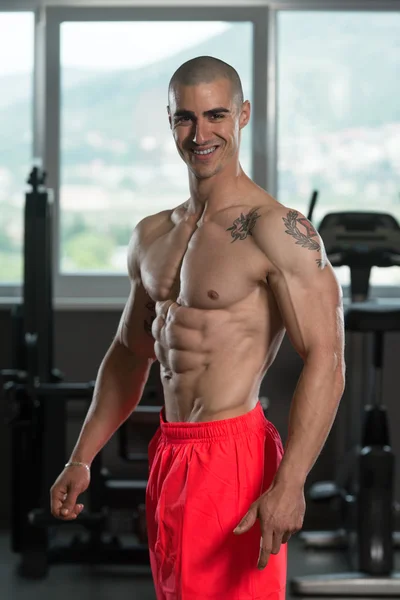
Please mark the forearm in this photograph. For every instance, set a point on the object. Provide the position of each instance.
(312, 413)
(118, 390)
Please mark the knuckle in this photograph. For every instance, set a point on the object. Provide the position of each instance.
(265, 520)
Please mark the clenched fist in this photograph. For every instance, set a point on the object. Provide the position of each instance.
(65, 491)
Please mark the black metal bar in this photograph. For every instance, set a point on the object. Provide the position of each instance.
(74, 391)
(39, 401)
(108, 553)
(313, 202)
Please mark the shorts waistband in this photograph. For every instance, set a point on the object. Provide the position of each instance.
(250, 421)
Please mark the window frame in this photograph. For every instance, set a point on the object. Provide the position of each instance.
(108, 285)
(376, 292)
(109, 289)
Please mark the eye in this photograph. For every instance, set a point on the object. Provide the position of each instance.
(181, 120)
(218, 116)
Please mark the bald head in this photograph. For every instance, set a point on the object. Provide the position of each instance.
(206, 69)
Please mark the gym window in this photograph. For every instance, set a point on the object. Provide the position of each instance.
(16, 99)
(338, 115)
(118, 160)
(101, 128)
(324, 92)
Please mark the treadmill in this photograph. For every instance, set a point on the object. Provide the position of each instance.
(360, 240)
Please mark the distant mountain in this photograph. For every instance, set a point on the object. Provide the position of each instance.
(344, 85)
(331, 80)
(124, 105)
(19, 86)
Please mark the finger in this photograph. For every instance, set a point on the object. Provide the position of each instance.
(69, 503)
(286, 537)
(276, 542)
(56, 506)
(70, 517)
(78, 509)
(74, 513)
(265, 550)
(247, 522)
(57, 498)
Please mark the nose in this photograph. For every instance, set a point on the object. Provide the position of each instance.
(201, 132)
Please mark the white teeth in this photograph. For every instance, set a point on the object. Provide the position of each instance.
(205, 151)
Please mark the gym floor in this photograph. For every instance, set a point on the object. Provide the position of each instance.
(121, 583)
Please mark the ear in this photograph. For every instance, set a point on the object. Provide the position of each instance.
(169, 117)
(244, 114)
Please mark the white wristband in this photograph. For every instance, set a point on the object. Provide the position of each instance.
(78, 464)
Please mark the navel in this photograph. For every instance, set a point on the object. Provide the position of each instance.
(213, 295)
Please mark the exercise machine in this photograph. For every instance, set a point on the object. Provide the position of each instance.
(37, 400)
(365, 485)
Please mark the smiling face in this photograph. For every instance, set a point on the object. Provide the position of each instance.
(206, 121)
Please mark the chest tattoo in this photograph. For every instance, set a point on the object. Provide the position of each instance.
(243, 225)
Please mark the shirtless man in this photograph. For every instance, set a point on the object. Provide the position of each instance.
(215, 282)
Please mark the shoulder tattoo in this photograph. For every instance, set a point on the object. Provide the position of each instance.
(243, 225)
(303, 232)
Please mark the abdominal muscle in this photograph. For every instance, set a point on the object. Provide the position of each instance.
(212, 362)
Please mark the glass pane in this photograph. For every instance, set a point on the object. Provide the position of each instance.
(16, 72)
(339, 114)
(118, 158)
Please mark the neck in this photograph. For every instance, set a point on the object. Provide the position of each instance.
(222, 190)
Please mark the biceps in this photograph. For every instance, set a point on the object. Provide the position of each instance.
(311, 309)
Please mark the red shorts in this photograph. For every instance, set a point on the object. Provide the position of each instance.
(203, 478)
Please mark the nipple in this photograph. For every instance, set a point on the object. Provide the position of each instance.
(213, 295)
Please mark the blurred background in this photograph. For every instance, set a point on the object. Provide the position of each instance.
(83, 93)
